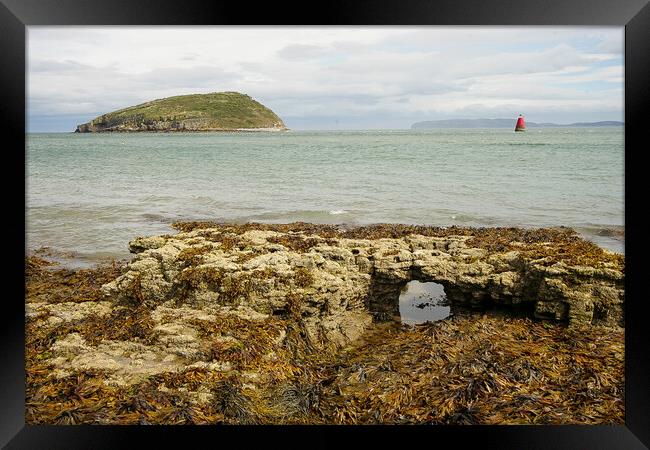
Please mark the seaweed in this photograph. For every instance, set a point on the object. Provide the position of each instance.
(303, 277)
(478, 369)
(560, 244)
(299, 398)
(192, 256)
(233, 287)
(229, 400)
(43, 284)
(467, 369)
(464, 370)
(295, 242)
(122, 324)
(133, 295)
(241, 342)
(298, 341)
(181, 412)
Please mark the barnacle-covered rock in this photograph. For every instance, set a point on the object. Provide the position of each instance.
(347, 276)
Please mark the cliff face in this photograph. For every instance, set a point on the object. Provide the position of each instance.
(223, 111)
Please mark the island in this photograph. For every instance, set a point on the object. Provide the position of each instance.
(217, 111)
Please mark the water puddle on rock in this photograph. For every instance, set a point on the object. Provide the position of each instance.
(423, 302)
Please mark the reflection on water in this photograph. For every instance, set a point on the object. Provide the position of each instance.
(423, 302)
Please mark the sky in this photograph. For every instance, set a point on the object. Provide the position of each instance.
(331, 77)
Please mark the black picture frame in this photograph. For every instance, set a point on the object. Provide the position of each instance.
(15, 15)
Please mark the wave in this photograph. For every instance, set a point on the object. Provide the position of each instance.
(152, 217)
(157, 198)
(315, 216)
(528, 144)
(609, 231)
(609, 237)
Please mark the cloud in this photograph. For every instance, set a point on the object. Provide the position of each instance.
(90, 89)
(301, 52)
(352, 73)
(49, 66)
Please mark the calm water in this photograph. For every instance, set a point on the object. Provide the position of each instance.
(92, 193)
(423, 302)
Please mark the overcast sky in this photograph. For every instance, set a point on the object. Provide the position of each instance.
(331, 77)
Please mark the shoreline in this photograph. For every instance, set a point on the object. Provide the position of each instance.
(253, 332)
(608, 237)
(180, 130)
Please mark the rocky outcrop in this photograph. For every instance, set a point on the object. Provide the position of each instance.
(338, 284)
(138, 125)
(261, 323)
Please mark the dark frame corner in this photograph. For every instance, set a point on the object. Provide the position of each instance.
(16, 15)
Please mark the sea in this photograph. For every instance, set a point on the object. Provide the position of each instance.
(88, 195)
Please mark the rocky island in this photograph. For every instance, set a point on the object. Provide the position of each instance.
(219, 111)
(299, 323)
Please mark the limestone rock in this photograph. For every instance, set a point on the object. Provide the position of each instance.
(217, 298)
(345, 281)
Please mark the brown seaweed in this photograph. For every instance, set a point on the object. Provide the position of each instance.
(467, 369)
(555, 244)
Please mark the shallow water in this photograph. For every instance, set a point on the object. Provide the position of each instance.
(92, 193)
(423, 302)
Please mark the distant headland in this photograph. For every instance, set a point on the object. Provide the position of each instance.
(503, 123)
(218, 111)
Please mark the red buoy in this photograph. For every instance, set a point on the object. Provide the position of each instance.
(521, 125)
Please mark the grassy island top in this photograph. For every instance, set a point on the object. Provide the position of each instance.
(214, 110)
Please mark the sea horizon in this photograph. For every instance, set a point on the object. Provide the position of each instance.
(621, 125)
